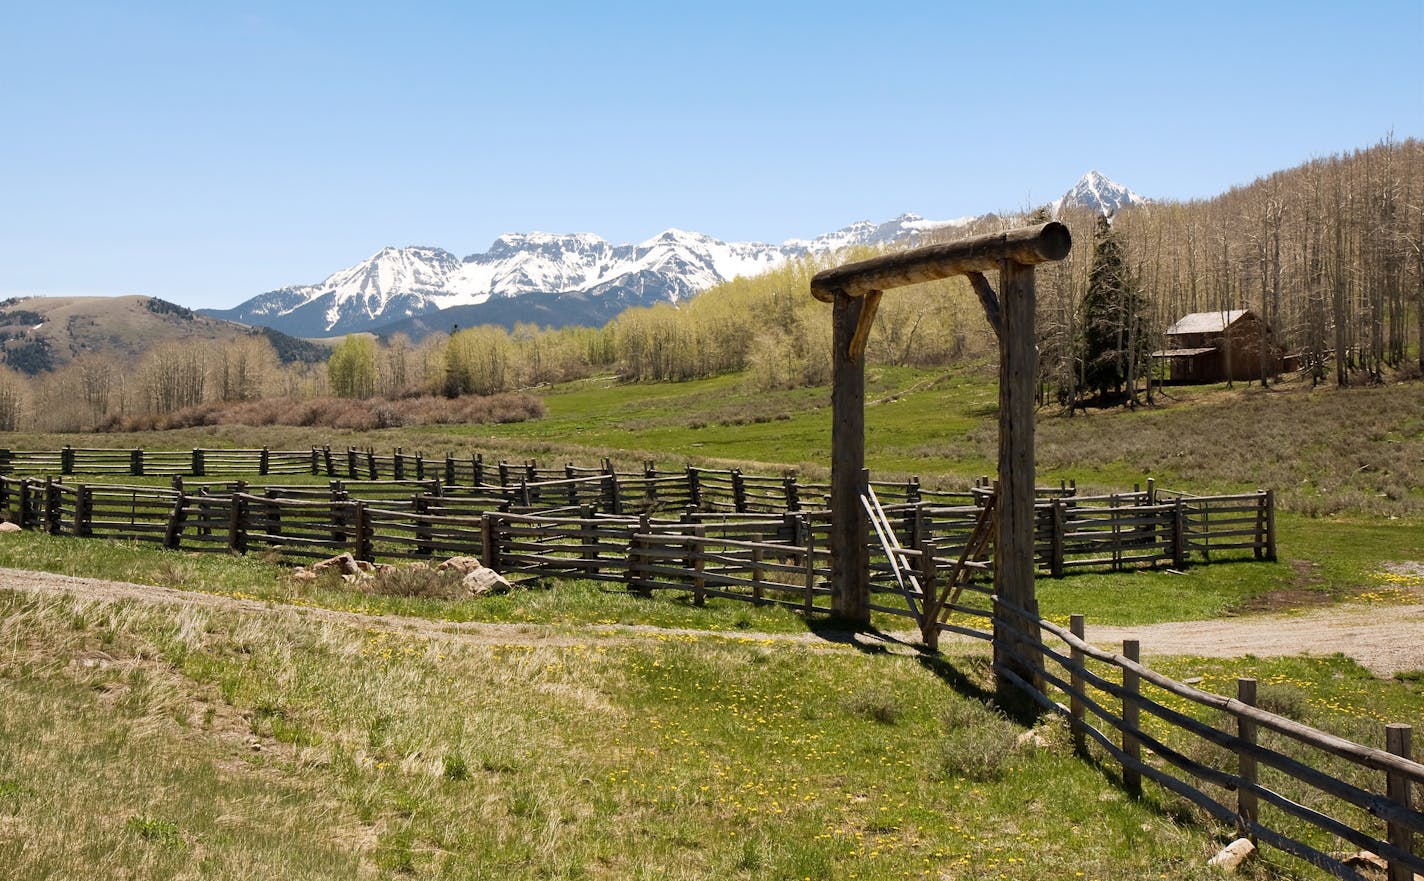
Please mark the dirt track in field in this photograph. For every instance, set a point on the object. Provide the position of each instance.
(1385, 638)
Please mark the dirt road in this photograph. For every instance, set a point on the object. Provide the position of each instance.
(1385, 638)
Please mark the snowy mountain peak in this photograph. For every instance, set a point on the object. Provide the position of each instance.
(1097, 192)
(556, 278)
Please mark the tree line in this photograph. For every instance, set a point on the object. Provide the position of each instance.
(1329, 254)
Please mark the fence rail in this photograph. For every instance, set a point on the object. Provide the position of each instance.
(761, 540)
(1315, 783)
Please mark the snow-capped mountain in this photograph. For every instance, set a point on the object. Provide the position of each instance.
(559, 279)
(1097, 192)
(405, 283)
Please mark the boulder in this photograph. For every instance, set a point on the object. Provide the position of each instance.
(343, 563)
(302, 573)
(1233, 855)
(483, 580)
(460, 564)
(7, 526)
(1367, 861)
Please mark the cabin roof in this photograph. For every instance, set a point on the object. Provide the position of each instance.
(1178, 353)
(1205, 322)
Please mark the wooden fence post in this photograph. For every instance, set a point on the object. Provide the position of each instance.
(398, 464)
(810, 604)
(364, 545)
(1076, 706)
(52, 507)
(477, 466)
(420, 505)
(315, 461)
(136, 462)
(694, 487)
(489, 541)
(264, 462)
(236, 524)
(1131, 686)
(351, 473)
(326, 458)
(650, 475)
(66, 460)
(419, 465)
(698, 562)
(793, 493)
(1397, 741)
(757, 592)
(199, 465)
(449, 469)
(929, 597)
(588, 537)
(173, 529)
(1179, 535)
(1247, 810)
(84, 511)
(1056, 552)
(1270, 502)
(24, 504)
(612, 495)
(371, 464)
(739, 491)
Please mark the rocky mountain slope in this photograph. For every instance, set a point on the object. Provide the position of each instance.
(562, 279)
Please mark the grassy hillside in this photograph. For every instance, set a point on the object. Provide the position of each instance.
(168, 741)
(38, 334)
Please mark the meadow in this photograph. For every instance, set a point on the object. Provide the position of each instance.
(589, 733)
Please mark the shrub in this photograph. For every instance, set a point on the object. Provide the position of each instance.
(978, 740)
(876, 705)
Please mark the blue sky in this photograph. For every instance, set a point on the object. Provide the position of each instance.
(207, 152)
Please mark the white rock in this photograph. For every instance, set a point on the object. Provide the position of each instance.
(483, 580)
(1233, 855)
(460, 564)
(7, 526)
(343, 563)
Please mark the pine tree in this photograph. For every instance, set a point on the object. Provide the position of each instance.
(1114, 326)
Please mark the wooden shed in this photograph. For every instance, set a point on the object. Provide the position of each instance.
(1217, 346)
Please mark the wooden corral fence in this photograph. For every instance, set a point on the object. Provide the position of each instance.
(391, 518)
(1277, 781)
(1287, 785)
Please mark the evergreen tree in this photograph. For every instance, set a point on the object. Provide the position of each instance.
(1114, 327)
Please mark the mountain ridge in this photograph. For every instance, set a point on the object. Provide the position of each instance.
(558, 279)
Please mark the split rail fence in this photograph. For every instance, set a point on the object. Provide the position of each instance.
(1309, 793)
(765, 539)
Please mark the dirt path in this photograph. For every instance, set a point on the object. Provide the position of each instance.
(1386, 639)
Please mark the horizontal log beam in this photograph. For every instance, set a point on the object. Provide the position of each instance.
(1027, 246)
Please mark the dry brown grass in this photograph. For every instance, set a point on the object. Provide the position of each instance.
(342, 413)
(1323, 451)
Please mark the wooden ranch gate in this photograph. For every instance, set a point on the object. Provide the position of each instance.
(854, 292)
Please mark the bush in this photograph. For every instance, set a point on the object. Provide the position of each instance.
(876, 705)
(347, 413)
(978, 741)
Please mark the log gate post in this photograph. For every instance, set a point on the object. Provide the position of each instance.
(854, 292)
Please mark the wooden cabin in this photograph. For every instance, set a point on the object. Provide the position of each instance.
(1217, 346)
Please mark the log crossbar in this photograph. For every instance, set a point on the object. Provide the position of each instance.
(1026, 246)
(854, 292)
